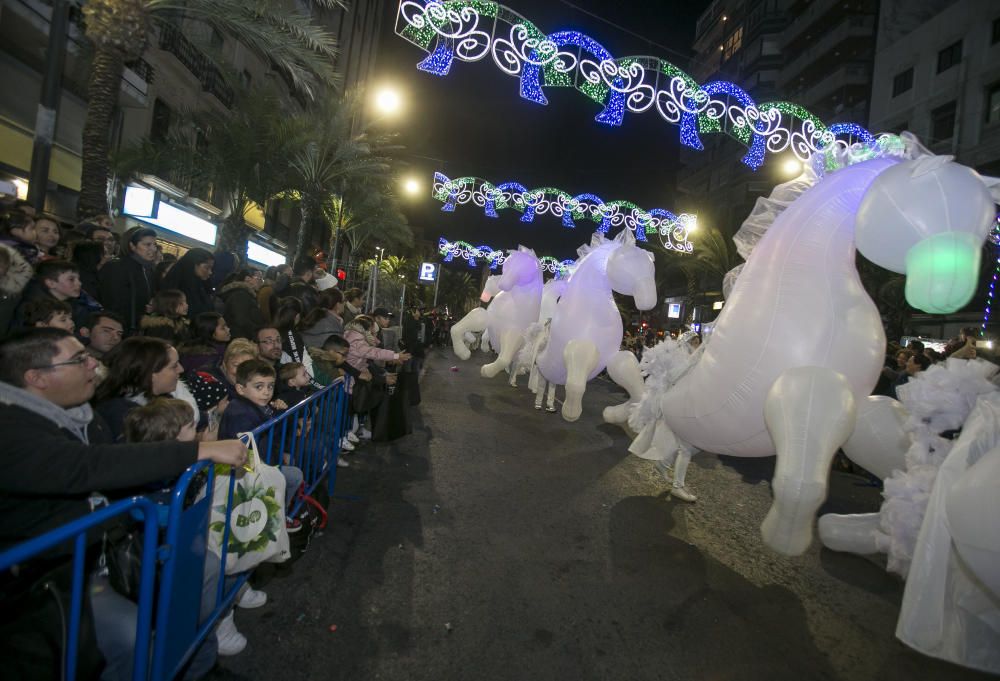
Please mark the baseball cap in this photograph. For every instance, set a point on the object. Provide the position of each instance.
(381, 312)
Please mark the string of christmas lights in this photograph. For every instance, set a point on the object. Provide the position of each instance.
(994, 239)
(673, 230)
(470, 30)
(476, 255)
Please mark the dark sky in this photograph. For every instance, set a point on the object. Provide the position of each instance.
(476, 123)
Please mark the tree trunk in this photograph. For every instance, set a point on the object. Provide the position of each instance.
(310, 213)
(233, 235)
(102, 97)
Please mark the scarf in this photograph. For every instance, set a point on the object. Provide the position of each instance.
(74, 419)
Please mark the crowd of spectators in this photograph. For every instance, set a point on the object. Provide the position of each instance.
(121, 365)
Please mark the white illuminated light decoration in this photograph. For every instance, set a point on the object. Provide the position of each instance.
(168, 217)
(264, 256)
(486, 255)
(459, 30)
(673, 230)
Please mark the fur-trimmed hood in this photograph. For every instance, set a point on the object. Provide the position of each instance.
(17, 274)
(235, 286)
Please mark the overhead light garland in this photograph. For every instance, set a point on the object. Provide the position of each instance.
(673, 230)
(486, 255)
(469, 30)
(994, 239)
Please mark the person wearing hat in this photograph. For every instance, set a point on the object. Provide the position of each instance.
(387, 334)
(127, 283)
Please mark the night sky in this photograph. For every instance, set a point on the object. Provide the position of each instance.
(476, 123)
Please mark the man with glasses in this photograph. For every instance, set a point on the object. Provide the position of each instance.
(56, 455)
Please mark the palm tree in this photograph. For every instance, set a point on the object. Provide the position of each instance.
(332, 158)
(118, 31)
(458, 290)
(713, 256)
(242, 157)
(368, 213)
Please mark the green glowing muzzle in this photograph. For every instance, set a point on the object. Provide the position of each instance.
(942, 272)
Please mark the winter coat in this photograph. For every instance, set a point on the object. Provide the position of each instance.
(126, 288)
(196, 356)
(242, 416)
(316, 335)
(241, 310)
(174, 330)
(363, 348)
(12, 283)
(80, 308)
(50, 472)
(267, 300)
(27, 251)
(328, 370)
(413, 336)
(967, 351)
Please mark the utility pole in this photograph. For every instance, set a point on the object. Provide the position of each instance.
(48, 106)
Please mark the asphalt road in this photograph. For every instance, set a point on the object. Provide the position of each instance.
(497, 542)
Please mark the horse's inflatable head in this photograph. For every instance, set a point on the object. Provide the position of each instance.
(631, 271)
(520, 267)
(927, 218)
(491, 289)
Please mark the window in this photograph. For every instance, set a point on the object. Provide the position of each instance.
(160, 125)
(993, 103)
(733, 43)
(943, 122)
(902, 82)
(949, 56)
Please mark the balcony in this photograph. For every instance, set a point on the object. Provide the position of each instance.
(850, 28)
(212, 82)
(846, 75)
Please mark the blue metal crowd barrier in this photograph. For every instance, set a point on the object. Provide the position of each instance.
(76, 532)
(307, 435)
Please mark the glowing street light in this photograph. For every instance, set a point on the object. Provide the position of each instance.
(411, 186)
(388, 101)
(791, 167)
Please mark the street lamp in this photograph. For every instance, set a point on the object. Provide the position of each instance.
(411, 186)
(791, 167)
(388, 101)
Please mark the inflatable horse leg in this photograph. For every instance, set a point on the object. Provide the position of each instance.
(855, 533)
(581, 358)
(809, 412)
(475, 322)
(624, 370)
(510, 343)
(879, 443)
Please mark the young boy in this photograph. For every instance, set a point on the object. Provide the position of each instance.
(293, 384)
(166, 418)
(253, 406)
(49, 312)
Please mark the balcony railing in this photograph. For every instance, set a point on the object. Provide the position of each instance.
(212, 82)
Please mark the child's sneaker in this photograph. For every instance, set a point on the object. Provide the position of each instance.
(251, 598)
(231, 642)
(346, 446)
(352, 438)
(342, 462)
(365, 434)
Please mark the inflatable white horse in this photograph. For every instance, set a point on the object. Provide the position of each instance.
(474, 321)
(799, 343)
(514, 309)
(537, 334)
(586, 330)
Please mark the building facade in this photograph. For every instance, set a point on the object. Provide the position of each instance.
(175, 75)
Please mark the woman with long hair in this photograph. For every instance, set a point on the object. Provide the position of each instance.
(210, 336)
(168, 319)
(324, 320)
(138, 370)
(191, 275)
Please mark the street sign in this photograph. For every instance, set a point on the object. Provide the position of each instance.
(428, 272)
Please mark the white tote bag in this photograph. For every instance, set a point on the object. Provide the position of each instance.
(257, 531)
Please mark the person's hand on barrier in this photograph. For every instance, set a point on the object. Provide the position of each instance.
(280, 405)
(404, 357)
(230, 452)
(365, 375)
(390, 379)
